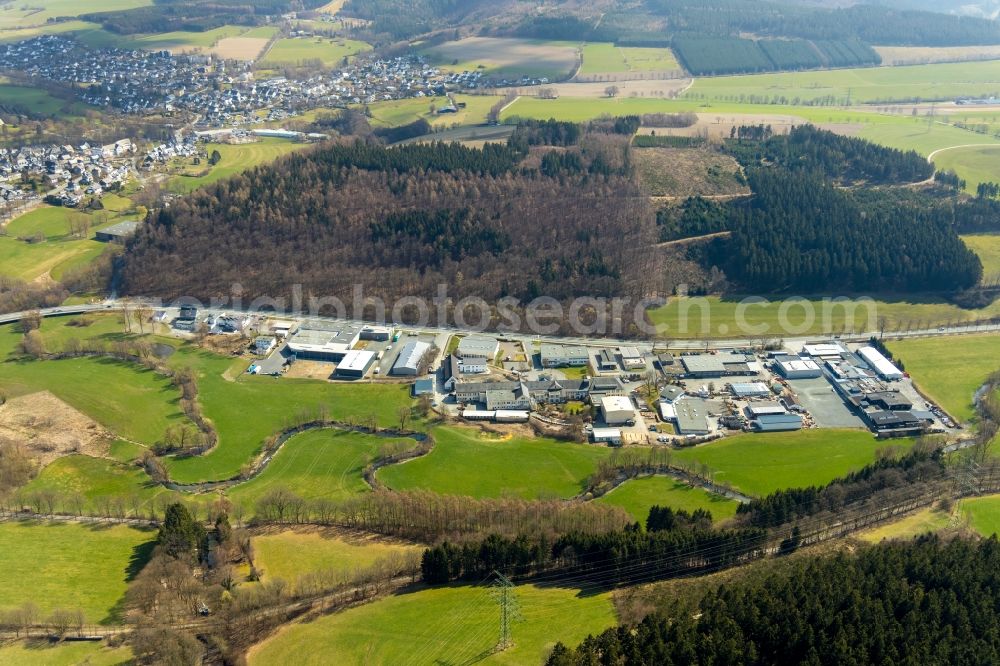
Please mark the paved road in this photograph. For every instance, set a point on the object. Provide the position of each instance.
(440, 332)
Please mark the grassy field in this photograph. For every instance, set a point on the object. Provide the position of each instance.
(37, 12)
(983, 514)
(319, 463)
(759, 464)
(919, 522)
(35, 100)
(43, 653)
(235, 159)
(506, 57)
(715, 317)
(976, 164)
(298, 50)
(68, 565)
(861, 85)
(91, 34)
(987, 246)
(951, 369)
(465, 463)
(97, 480)
(919, 55)
(638, 495)
(605, 58)
(400, 112)
(182, 41)
(442, 625)
(291, 553)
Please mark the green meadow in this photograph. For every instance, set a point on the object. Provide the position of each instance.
(235, 158)
(987, 247)
(465, 462)
(760, 463)
(982, 514)
(637, 496)
(452, 625)
(950, 369)
(299, 50)
(605, 58)
(70, 566)
(976, 164)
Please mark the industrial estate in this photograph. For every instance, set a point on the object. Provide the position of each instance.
(609, 333)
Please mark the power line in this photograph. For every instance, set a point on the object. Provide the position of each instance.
(510, 611)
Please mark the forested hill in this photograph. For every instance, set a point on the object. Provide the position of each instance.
(400, 221)
(841, 159)
(799, 233)
(924, 602)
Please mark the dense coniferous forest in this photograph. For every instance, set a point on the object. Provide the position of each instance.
(840, 159)
(922, 602)
(402, 220)
(798, 232)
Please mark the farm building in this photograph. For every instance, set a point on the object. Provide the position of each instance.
(408, 361)
(719, 365)
(423, 387)
(617, 409)
(750, 390)
(323, 341)
(117, 233)
(562, 356)
(478, 345)
(606, 435)
(632, 358)
(882, 366)
(793, 367)
(355, 363)
(776, 422)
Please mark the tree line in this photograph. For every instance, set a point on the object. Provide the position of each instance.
(925, 601)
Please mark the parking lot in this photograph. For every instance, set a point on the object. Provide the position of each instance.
(823, 402)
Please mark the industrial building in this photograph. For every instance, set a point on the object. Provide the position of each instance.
(471, 364)
(563, 356)
(617, 409)
(478, 345)
(606, 361)
(793, 367)
(606, 436)
(671, 392)
(423, 386)
(324, 341)
(605, 386)
(825, 350)
(496, 415)
(408, 361)
(776, 422)
(632, 358)
(719, 365)
(750, 390)
(376, 333)
(117, 233)
(355, 363)
(882, 366)
(263, 344)
(690, 416)
(755, 409)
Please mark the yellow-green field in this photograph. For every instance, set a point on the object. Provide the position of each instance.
(637, 496)
(292, 553)
(987, 247)
(400, 112)
(738, 317)
(37, 12)
(44, 653)
(445, 625)
(303, 50)
(861, 85)
(976, 164)
(70, 566)
(236, 158)
(982, 514)
(604, 58)
(917, 523)
(950, 369)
